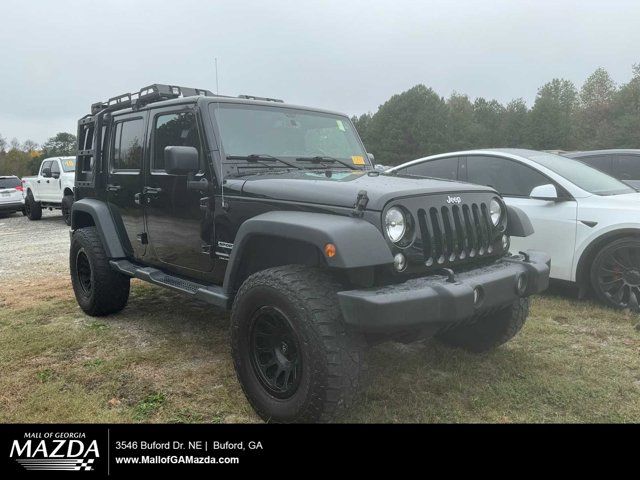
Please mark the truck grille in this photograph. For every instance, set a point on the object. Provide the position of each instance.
(454, 233)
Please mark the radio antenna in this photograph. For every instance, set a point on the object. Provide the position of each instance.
(216, 64)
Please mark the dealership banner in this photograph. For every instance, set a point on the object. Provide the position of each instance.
(101, 451)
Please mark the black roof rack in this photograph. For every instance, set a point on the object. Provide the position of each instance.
(150, 94)
(264, 99)
(158, 92)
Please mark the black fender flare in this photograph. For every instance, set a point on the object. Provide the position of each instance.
(103, 220)
(518, 223)
(358, 243)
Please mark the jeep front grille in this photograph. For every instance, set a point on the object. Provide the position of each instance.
(454, 233)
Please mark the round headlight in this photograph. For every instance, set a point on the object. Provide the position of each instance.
(395, 224)
(495, 211)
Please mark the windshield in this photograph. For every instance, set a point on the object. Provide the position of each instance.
(68, 164)
(586, 177)
(288, 134)
(10, 182)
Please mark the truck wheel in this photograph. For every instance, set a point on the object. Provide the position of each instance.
(295, 360)
(32, 208)
(99, 289)
(615, 272)
(490, 330)
(67, 202)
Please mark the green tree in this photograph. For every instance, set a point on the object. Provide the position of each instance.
(594, 119)
(62, 144)
(407, 126)
(514, 124)
(552, 116)
(462, 131)
(488, 118)
(626, 113)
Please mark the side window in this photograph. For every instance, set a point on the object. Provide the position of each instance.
(45, 165)
(601, 162)
(127, 145)
(446, 168)
(174, 129)
(55, 169)
(629, 167)
(508, 177)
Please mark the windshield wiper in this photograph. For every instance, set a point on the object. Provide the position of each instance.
(260, 158)
(320, 159)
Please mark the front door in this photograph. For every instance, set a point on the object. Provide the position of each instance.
(554, 223)
(176, 217)
(125, 179)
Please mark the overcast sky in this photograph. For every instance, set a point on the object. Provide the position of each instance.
(57, 57)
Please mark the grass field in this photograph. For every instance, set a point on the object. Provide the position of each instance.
(166, 359)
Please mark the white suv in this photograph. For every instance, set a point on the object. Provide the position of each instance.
(588, 221)
(11, 195)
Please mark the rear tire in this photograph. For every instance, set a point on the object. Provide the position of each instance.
(67, 203)
(32, 209)
(295, 359)
(99, 289)
(489, 331)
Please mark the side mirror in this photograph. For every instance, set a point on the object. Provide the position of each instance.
(545, 192)
(46, 172)
(372, 159)
(181, 160)
(55, 174)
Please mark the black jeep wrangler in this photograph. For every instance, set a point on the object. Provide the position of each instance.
(276, 213)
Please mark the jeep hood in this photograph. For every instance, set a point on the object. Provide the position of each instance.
(341, 188)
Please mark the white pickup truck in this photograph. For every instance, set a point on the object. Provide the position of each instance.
(52, 188)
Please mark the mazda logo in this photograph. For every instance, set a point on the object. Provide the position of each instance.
(455, 200)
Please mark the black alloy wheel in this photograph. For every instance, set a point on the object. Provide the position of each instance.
(275, 352)
(615, 273)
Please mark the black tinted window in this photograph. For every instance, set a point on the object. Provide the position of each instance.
(628, 167)
(601, 162)
(507, 176)
(443, 168)
(9, 182)
(44, 166)
(55, 168)
(173, 129)
(127, 145)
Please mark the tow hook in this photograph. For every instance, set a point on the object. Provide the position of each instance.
(361, 203)
(526, 256)
(450, 274)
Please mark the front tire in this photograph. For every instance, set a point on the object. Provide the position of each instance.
(489, 331)
(294, 357)
(99, 289)
(615, 273)
(67, 203)
(32, 208)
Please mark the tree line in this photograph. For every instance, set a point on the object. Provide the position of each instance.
(419, 122)
(23, 159)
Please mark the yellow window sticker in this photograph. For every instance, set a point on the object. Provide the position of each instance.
(341, 126)
(357, 159)
(69, 163)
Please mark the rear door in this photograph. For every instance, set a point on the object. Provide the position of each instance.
(125, 180)
(178, 229)
(554, 223)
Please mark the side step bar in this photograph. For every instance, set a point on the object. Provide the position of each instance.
(208, 293)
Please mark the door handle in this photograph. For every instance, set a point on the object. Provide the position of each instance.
(38, 181)
(151, 190)
(47, 181)
(113, 188)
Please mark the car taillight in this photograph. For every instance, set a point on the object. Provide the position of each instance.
(20, 188)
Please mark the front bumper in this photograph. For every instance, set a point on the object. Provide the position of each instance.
(11, 207)
(433, 300)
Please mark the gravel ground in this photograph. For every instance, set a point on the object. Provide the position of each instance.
(33, 249)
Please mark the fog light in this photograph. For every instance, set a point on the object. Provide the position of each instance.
(506, 243)
(399, 262)
(478, 296)
(521, 284)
